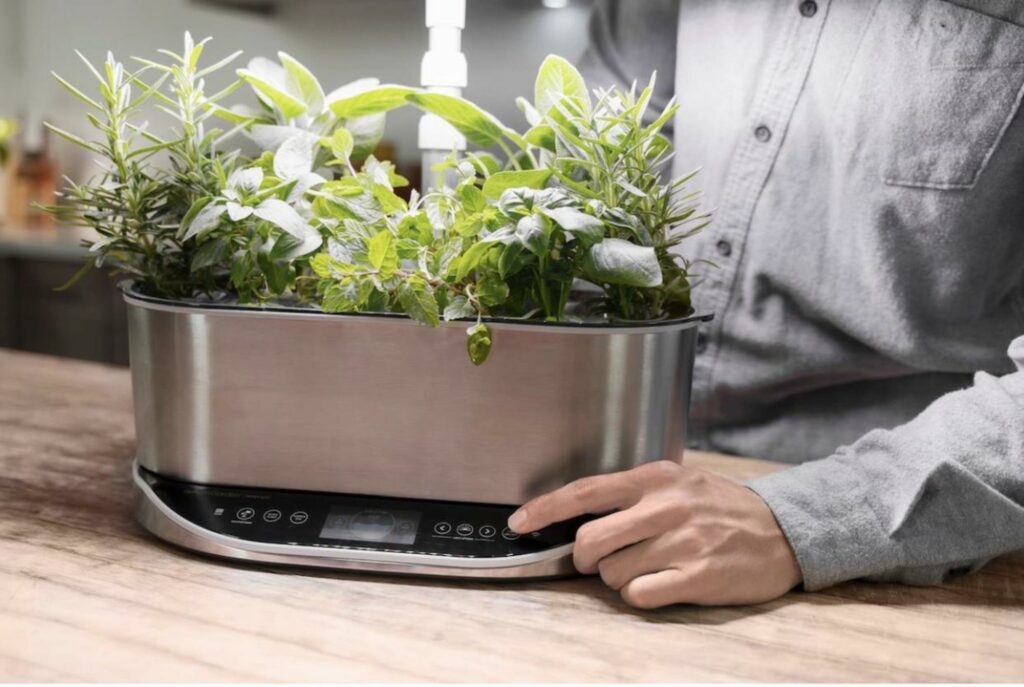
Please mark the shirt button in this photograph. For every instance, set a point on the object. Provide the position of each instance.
(724, 248)
(702, 342)
(763, 134)
(808, 8)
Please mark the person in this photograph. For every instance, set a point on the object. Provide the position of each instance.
(866, 164)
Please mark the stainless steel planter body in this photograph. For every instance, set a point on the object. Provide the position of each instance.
(381, 405)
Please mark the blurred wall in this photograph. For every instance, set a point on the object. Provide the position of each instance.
(340, 40)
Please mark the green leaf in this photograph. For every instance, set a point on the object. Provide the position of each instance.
(74, 139)
(340, 143)
(75, 92)
(556, 79)
(472, 258)
(382, 253)
(497, 184)
(460, 308)
(241, 268)
(542, 136)
(372, 101)
(289, 105)
(278, 274)
(509, 262)
(321, 265)
(614, 261)
(417, 299)
(581, 225)
(201, 217)
(492, 290)
(209, 254)
(389, 201)
(530, 233)
(302, 81)
(285, 247)
(479, 127)
(77, 276)
(347, 295)
(472, 198)
(478, 343)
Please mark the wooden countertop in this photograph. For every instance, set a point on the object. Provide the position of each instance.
(86, 594)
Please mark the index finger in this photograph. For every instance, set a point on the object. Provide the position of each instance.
(598, 494)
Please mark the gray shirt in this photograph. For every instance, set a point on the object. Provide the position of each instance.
(865, 161)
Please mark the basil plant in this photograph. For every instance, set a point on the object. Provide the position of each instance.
(281, 198)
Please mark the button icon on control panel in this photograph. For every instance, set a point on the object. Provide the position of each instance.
(299, 517)
(272, 515)
(465, 529)
(246, 513)
(509, 534)
(442, 528)
(487, 531)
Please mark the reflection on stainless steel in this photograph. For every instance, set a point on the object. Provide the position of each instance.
(381, 405)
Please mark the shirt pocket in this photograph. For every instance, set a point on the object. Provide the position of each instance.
(947, 84)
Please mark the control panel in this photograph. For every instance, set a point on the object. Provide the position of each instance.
(340, 521)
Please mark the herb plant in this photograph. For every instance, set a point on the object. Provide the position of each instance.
(572, 219)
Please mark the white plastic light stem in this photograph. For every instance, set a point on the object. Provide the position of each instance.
(443, 70)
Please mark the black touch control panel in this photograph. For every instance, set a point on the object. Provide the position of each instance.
(302, 518)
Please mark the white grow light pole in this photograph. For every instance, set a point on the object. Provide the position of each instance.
(443, 70)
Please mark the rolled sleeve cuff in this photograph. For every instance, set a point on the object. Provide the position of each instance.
(825, 511)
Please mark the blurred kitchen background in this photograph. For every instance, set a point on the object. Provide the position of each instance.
(340, 40)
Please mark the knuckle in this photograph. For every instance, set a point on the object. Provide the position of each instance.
(583, 487)
(661, 470)
(609, 574)
(637, 597)
(586, 536)
(670, 511)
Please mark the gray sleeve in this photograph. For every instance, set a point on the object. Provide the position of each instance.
(940, 495)
(630, 39)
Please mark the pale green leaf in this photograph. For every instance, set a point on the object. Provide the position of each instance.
(371, 101)
(302, 81)
(382, 253)
(478, 126)
(556, 79)
(497, 184)
(289, 105)
(615, 261)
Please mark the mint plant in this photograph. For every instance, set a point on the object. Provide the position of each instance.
(571, 219)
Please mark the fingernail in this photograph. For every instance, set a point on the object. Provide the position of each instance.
(517, 520)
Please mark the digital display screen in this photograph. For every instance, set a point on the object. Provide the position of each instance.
(354, 524)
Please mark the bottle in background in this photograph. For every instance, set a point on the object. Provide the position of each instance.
(33, 178)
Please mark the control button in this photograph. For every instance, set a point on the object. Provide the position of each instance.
(218, 511)
(299, 517)
(442, 528)
(808, 8)
(465, 529)
(763, 134)
(509, 534)
(724, 248)
(245, 513)
(488, 531)
(272, 515)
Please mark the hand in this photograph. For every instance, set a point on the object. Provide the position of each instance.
(672, 534)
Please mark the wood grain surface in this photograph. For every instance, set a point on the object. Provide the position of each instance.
(86, 594)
